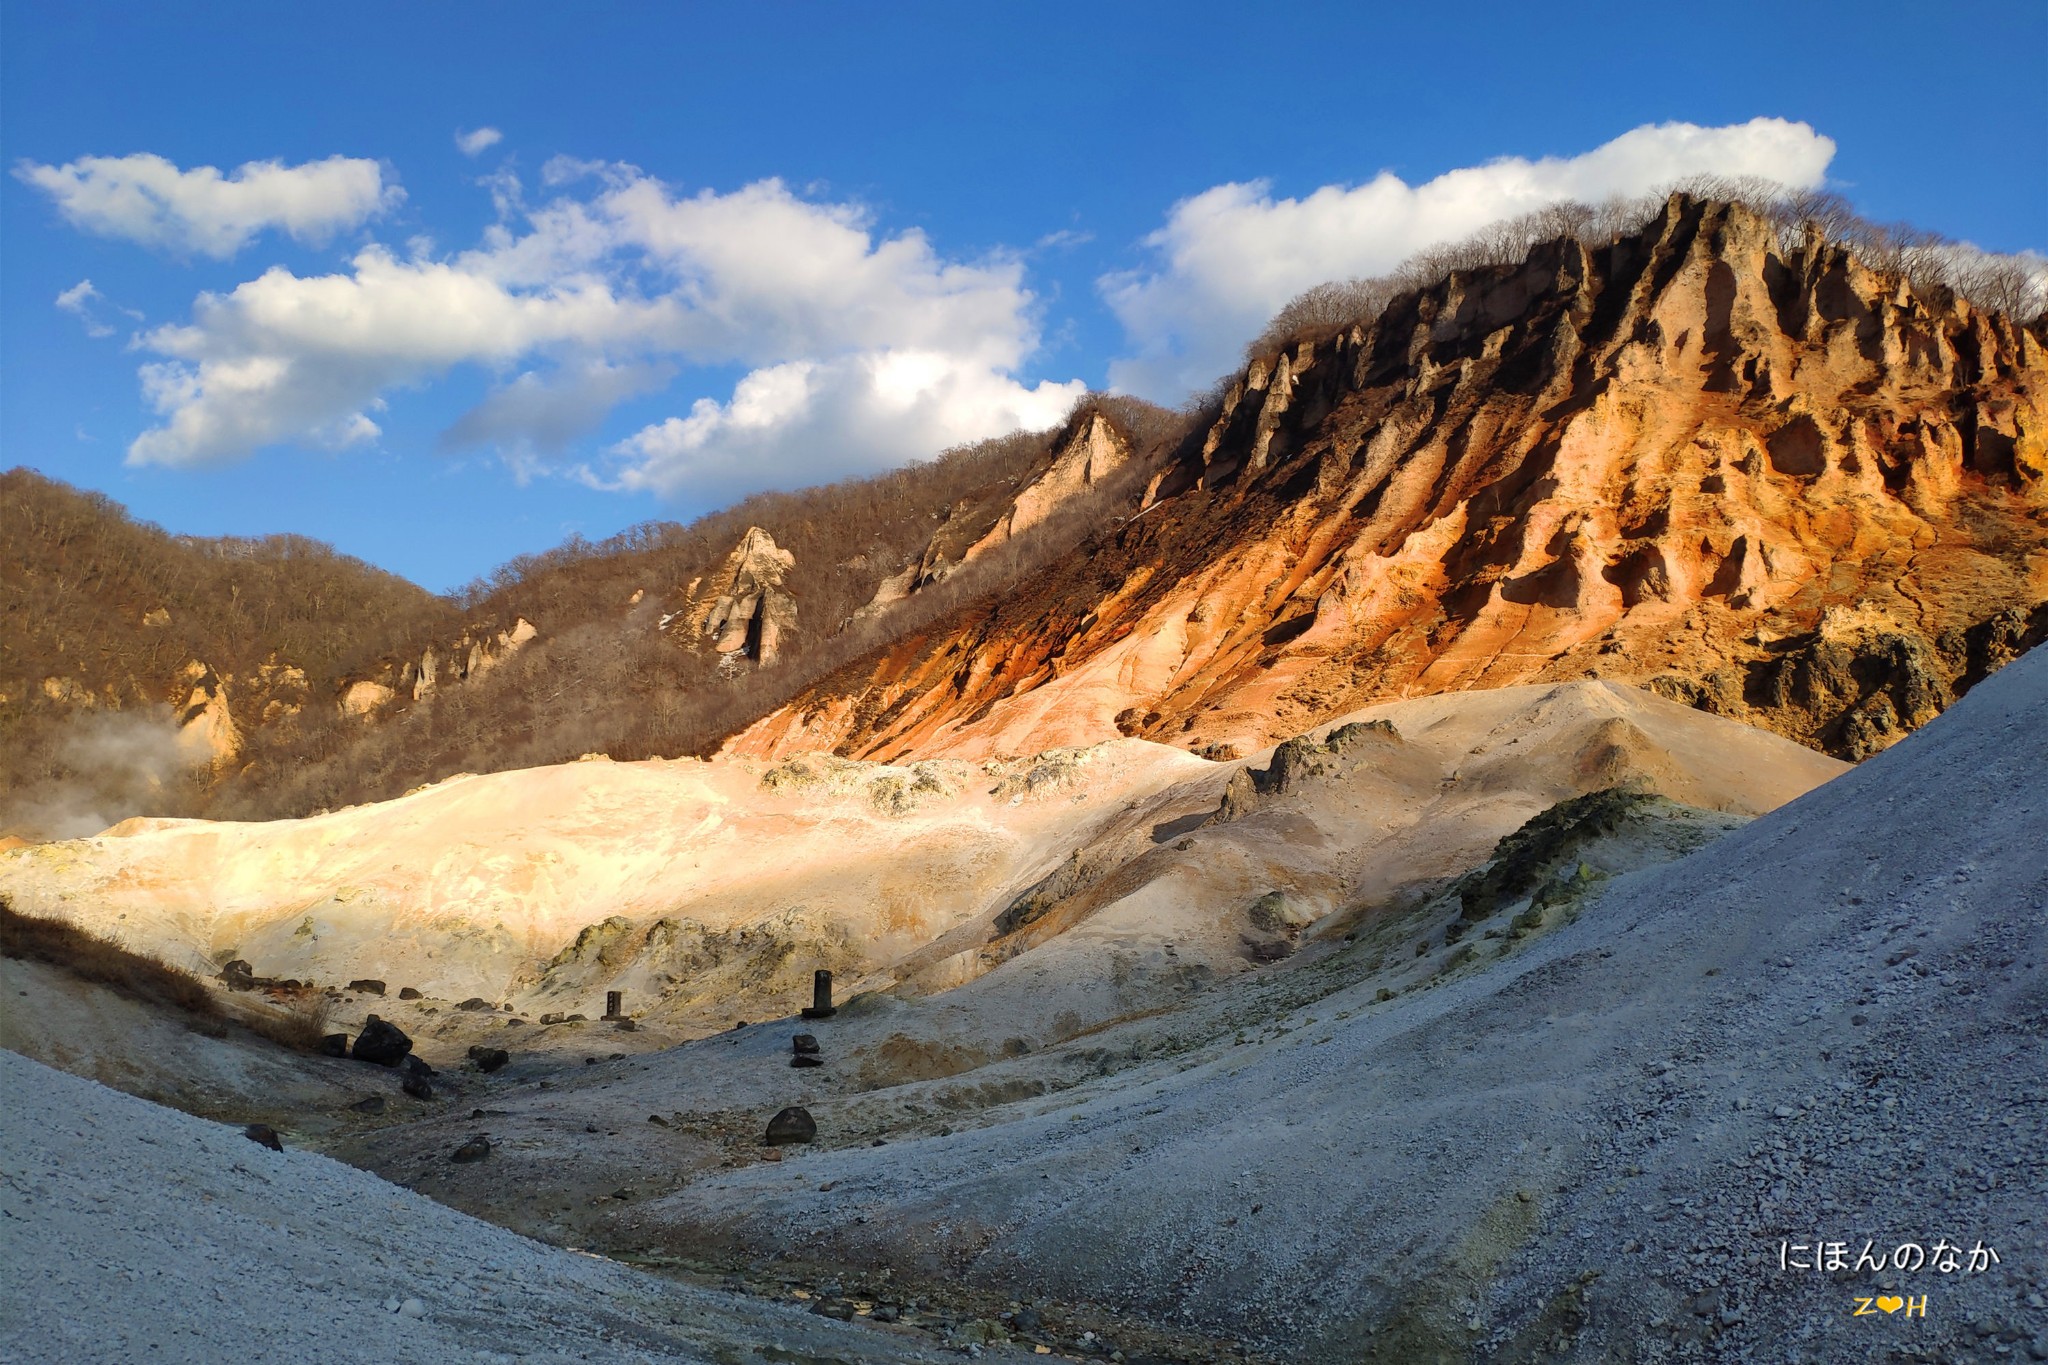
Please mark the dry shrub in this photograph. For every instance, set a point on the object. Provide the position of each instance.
(300, 1024)
(103, 961)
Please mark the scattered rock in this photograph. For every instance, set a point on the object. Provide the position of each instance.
(382, 1042)
(804, 1042)
(489, 1058)
(417, 1087)
(476, 1149)
(334, 1045)
(373, 1105)
(415, 1066)
(806, 1059)
(980, 1332)
(624, 1025)
(366, 986)
(554, 1018)
(408, 993)
(793, 1124)
(475, 1004)
(657, 1120)
(264, 1134)
(238, 975)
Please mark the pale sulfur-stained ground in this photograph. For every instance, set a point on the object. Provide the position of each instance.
(1373, 1127)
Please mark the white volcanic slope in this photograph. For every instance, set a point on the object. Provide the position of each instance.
(130, 1232)
(1829, 1023)
(460, 887)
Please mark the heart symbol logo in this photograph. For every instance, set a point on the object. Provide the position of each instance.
(1891, 1303)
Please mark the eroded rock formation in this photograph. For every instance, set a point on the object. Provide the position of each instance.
(1084, 456)
(469, 656)
(1685, 457)
(742, 610)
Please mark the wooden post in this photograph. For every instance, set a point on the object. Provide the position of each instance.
(614, 1002)
(821, 996)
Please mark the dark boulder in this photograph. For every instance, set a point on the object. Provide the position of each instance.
(417, 1087)
(489, 1058)
(334, 1045)
(382, 1042)
(238, 976)
(804, 1042)
(806, 1059)
(415, 1065)
(408, 993)
(367, 987)
(793, 1124)
(372, 1105)
(476, 1003)
(476, 1149)
(266, 1135)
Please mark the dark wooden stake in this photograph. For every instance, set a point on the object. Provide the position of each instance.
(821, 996)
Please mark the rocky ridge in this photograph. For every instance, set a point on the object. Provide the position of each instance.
(1774, 481)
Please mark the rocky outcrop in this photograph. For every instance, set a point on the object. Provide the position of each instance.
(365, 697)
(748, 612)
(1671, 458)
(1854, 690)
(206, 730)
(1083, 458)
(1091, 450)
(469, 656)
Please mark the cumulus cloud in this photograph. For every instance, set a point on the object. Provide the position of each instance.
(601, 293)
(478, 141)
(539, 414)
(1228, 258)
(808, 421)
(146, 199)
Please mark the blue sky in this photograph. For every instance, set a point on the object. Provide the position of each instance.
(715, 248)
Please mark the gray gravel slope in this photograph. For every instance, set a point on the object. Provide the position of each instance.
(1828, 1026)
(131, 1232)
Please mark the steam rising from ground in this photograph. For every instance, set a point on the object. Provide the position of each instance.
(106, 766)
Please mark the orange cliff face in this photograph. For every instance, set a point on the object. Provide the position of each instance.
(1764, 480)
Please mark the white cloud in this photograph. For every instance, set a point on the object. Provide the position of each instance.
(1229, 257)
(809, 421)
(478, 141)
(538, 414)
(864, 350)
(78, 300)
(146, 199)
